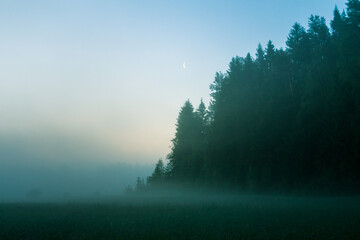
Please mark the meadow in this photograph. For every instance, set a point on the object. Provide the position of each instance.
(232, 217)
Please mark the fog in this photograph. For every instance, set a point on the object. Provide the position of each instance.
(62, 170)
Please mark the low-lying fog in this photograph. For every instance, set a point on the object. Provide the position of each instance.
(57, 173)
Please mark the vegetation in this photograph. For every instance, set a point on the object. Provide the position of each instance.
(247, 217)
(286, 120)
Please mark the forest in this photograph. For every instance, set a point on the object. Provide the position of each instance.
(275, 154)
(285, 120)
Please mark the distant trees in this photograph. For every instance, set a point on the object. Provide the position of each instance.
(287, 119)
(140, 185)
(158, 175)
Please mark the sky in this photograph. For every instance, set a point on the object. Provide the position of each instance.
(103, 81)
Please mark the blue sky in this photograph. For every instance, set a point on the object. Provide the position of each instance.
(108, 75)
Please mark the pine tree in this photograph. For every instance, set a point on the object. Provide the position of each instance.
(202, 114)
(318, 32)
(140, 185)
(270, 54)
(158, 176)
(184, 144)
(353, 12)
(338, 23)
(297, 44)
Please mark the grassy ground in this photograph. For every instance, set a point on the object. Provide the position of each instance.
(220, 218)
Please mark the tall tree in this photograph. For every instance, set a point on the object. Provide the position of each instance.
(260, 57)
(297, 44)
(338, 23)
(185, 144)
(270, 53)
(158, 176)
(318, 32)
(353, 12)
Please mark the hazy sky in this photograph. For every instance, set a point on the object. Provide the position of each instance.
(81, 79)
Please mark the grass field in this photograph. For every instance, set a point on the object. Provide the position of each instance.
(251, 217)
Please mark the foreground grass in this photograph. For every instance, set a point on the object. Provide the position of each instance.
(219, 218)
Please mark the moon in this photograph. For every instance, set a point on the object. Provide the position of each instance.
(184, 65)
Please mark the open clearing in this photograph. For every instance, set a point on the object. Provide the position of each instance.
(199, 218)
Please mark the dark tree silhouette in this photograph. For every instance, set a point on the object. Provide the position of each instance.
(287, 120)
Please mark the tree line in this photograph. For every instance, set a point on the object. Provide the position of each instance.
(284, 120)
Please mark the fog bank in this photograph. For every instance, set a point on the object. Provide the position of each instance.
(59, 171)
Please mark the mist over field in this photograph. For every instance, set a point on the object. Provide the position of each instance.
(58, 169)
(179, 119)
